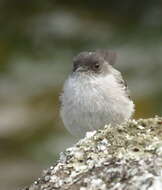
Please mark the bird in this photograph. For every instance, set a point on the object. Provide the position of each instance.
(94, 94)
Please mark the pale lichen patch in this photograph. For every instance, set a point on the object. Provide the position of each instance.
(122, 157)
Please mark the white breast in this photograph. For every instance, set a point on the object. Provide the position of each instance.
(90, 103)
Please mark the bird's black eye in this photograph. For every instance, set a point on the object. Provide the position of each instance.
(96, 66)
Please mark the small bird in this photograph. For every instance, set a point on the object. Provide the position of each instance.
(94, 94)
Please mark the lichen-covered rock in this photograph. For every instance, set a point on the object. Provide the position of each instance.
(127, 157)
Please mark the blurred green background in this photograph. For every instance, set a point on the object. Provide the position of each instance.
(38, 39)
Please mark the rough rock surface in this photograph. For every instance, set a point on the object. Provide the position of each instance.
(127, 157)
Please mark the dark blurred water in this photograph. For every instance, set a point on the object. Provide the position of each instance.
(38, 40)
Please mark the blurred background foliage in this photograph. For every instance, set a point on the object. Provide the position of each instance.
(38, 40)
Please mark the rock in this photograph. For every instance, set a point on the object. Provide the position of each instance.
(126, 157)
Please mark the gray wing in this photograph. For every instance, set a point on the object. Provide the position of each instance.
(122, 82)
(110, 57)
(125, 86)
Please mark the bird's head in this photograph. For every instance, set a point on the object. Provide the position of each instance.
(97, 62)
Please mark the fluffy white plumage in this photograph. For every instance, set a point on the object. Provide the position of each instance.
(89, 102)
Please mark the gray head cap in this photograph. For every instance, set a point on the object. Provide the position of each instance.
(94, 58)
